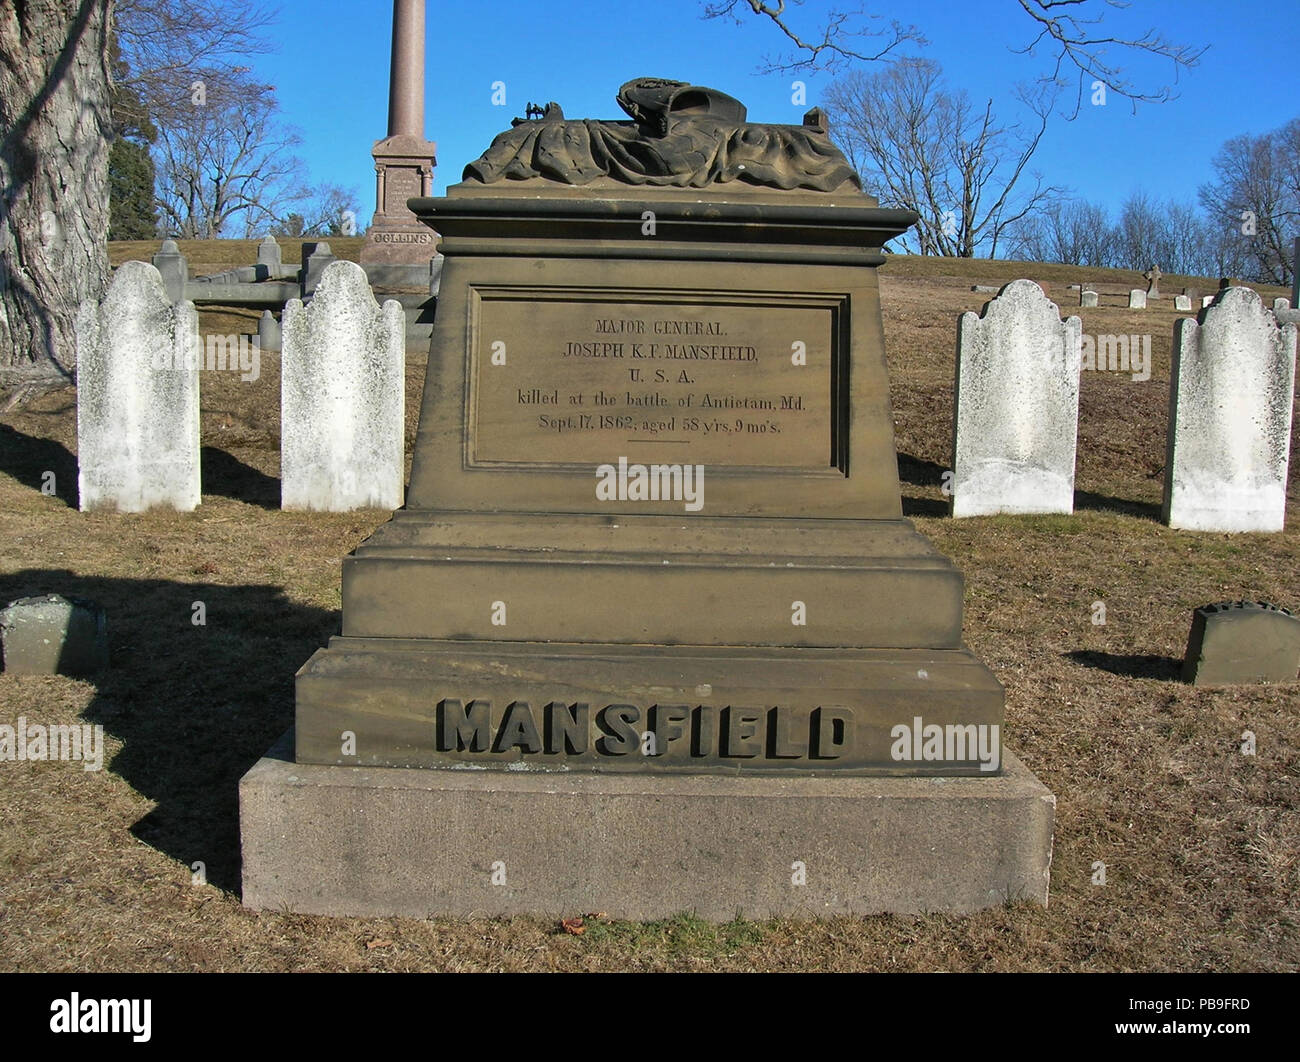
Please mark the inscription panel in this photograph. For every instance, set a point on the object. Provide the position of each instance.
(562, 380)
(400, 184)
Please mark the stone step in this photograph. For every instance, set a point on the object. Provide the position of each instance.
(746, 709)
(630, 580)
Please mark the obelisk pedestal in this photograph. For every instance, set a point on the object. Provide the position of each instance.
(404, 160)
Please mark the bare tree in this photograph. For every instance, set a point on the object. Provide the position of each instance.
(922, 147)
(1189, 241)
(329, 210)
(1070, 30)
(1287, 146)
(55, 135)
(169, 45)
(1068, 231)
(1172, 235)
(834, 45)
(1254, 198)
(333, 210)
(1175, 236)
(1224, 252)
(55, 129)
(226, 165)
(1140, 237)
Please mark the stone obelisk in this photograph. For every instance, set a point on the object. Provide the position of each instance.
(404, 160)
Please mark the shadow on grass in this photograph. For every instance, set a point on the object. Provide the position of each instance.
(1136, 665)
(194, 707)
(1104, 503)
(918, 472)
(225, 475)
(924, 507)
(921, 473)
(28, 458)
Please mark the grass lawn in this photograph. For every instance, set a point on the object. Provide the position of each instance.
(1200, 842)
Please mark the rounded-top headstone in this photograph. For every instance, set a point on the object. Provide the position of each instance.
(138, 355)
(1230, 417)
(341, 395)
(1234, 642)
(1017, 406)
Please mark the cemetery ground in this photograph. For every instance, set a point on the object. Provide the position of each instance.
(136, 867)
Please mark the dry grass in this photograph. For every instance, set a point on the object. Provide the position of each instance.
(216, 256)
(1200, 841)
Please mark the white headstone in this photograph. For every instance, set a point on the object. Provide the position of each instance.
(1137, 299)
(268, 254)
(1017, 406)
(1206, 300)
(1281, 305)
(314, 265)
(138, 361)
(1231, 389)
(174, 269)
(270, 261)
(268, 332)
(1087, 298)
(342, 397)
(1183, 302)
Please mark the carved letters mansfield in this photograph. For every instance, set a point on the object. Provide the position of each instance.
(674, 731)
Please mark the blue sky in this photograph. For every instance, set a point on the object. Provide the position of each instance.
(331, 71)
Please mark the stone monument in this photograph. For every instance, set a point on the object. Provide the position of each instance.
(1152, 277)
(1295, 273)
(404, 160)
(651, 632)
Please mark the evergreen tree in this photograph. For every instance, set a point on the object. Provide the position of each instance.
(131, 205)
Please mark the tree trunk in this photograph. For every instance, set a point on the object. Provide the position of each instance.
(55, 131)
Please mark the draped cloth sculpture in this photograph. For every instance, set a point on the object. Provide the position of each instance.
(681, 135)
